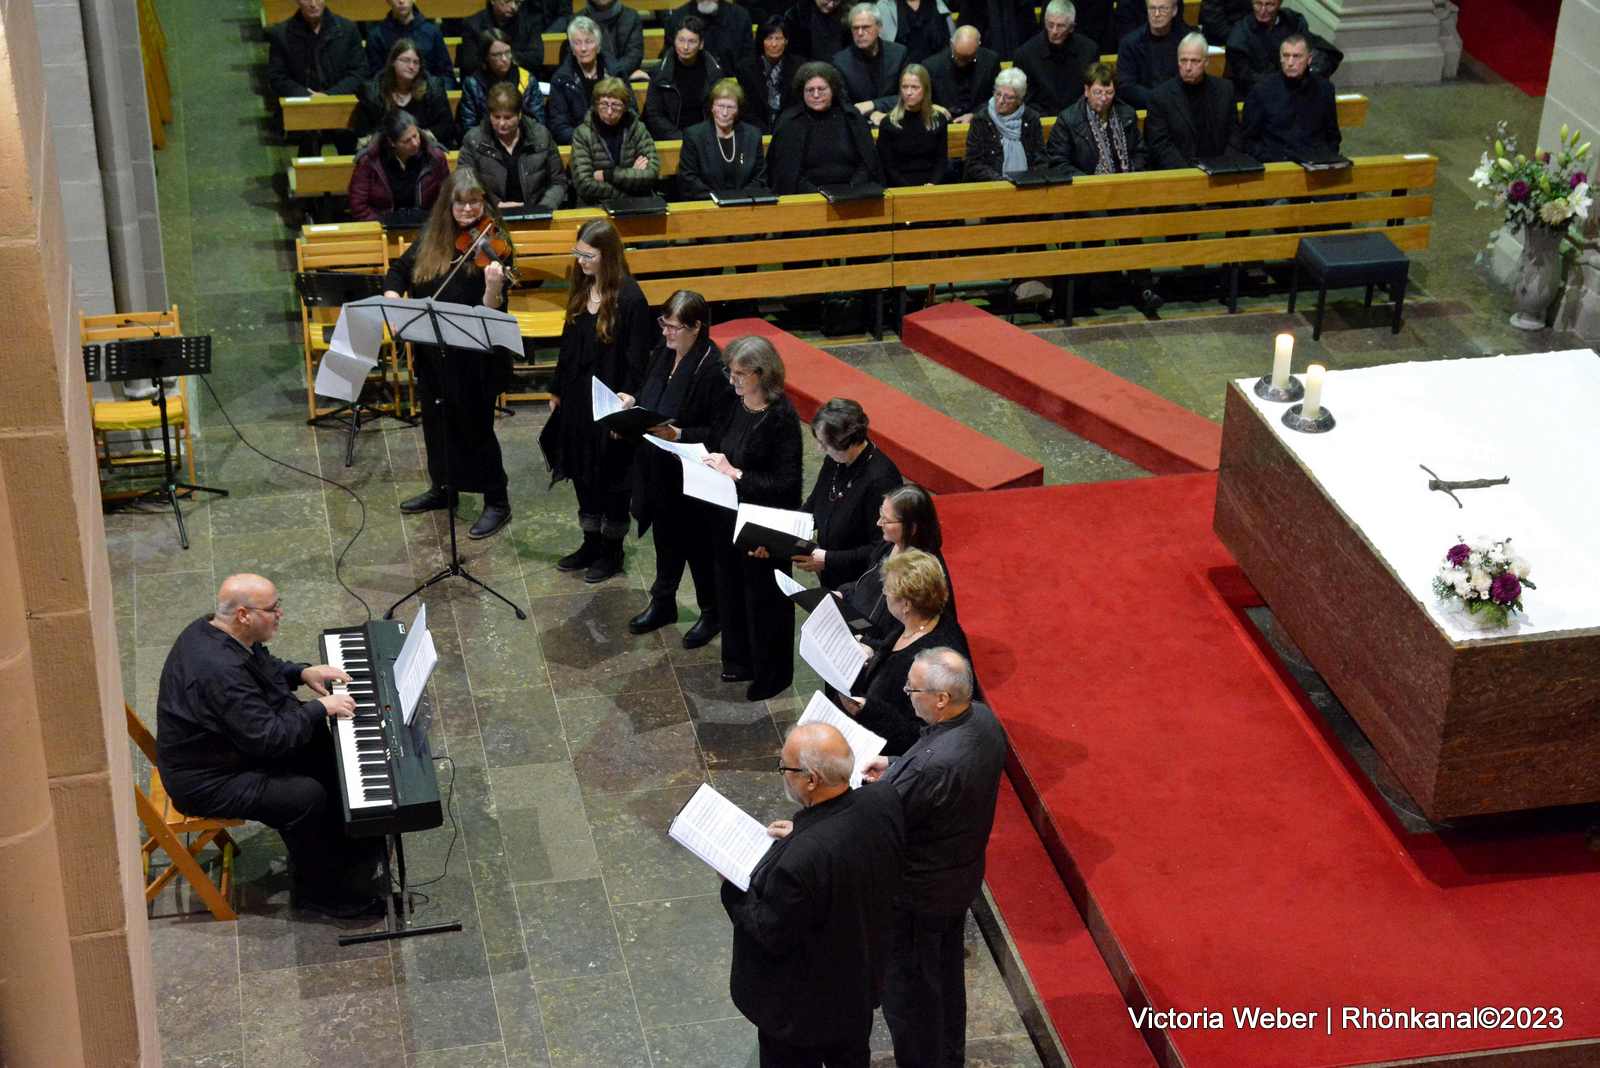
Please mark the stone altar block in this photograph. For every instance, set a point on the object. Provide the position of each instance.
(1341, 537)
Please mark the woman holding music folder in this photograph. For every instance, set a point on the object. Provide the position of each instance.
(686, 382)
(907, 520)
(457, 389)
(844, 502)
(608, 335)
(757, 444)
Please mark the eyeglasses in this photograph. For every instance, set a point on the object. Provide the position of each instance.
(818, 90)
(668, 326)
(607, 104)
(884, 521)
(578, 253)
(736, 372)
(795, 771)
(910, 689)
(274, 609)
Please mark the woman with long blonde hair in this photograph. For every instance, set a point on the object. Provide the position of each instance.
(458, 391)
(608, 335)
(912, 142)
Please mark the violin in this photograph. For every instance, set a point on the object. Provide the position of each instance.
(489, 244)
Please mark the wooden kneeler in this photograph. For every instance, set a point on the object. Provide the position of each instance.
(164, 823)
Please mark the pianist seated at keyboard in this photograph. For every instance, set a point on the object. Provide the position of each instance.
(234, 739)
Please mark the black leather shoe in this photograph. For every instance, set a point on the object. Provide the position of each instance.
(339, 908)
(429, 500)
(607, 563)
(1150, 301)
(656, 615)
(708, 626)
(735, 673)
(757, 691)
(493, 518)
(582, 556)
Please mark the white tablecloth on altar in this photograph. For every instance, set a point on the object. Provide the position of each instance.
(1535, 418)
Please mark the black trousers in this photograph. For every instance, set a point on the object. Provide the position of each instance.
(925, 990)
(776, 1054)
(757, 619)
(457, 391)
(683, 537)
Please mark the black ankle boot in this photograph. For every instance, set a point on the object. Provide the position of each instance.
(607, 562)
(705, 628)
(656, 615)
(583, 555)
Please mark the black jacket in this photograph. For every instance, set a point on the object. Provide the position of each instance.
(1131, 15)
(1096, 21)
(574, 445)
(621, 36)
(728, 32)
(844, 502)
(886, 707)
(769, 456)
(752, 75)
(1004, 24)
(924, 33)
(431, 110)
(942, 72)
(330, 61)
(860, 85)
(700, 161)
(864, 596)
(1171, 137)
(539, 170)
(912, 154)
(1284, 121)
(949, 781)
(423, 33)
(663, 102)
(1253, 50)
(985, 153)
(1072, 147)
(811, 935)
(1055, 75)
(658, 475)
(1144, 62)
(813, 35)
(786, 153)
(1218, 17)
(568, 103)
(524, 30)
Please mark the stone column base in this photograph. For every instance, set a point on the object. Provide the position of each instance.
(1387, 42)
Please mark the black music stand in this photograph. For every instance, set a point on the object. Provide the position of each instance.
(333, 289)
(428, 322)
(160, 358)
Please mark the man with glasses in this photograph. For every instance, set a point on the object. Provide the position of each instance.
(949, 782)
(1253, 45)
(810, 936)
(1149, 55)
(233, 740)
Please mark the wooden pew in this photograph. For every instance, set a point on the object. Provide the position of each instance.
(378, 10)
(333, 111)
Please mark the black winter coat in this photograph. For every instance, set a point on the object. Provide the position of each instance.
(1253, 50)
(1055, 75)
(700, 161)
(1173, 140)
(752, 74)
(621, 35)
(540, 174)
(813, 35)
(860, 85)
(1004, 24)
(924, 33)
(985, 154)
(663, 103)
(431, 110)
(786, 153)
(942, 72)
(1284, 121)
(1145, 61)
(1072, 146)
(728, 32)
(423, 33)
(525, 27)
(568, 103)
(1218, 17)
(299, 61)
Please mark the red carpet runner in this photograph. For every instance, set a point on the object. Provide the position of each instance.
(1514, 37)
(1229, 860)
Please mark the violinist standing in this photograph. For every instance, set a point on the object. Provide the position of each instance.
(458, 388)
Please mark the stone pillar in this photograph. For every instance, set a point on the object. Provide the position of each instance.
(1387, 41)
(52, 527)
(1572, 100)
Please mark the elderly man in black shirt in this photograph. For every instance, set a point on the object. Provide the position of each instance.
(948, 781)
(1292, 115)
(233, 740)
(1193, 116)
(810, 936)
(1054, 59)
(1149, 55)
(1254, 41)
(871, 66)
(963, 74)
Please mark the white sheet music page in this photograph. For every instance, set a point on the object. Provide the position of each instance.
(788, 585)
(708, 484)
(352, 354)
(829, 646)
(800, 524)
(864, 744)
(722, 834)
(414, 664)
(602, 399)
(686, 450)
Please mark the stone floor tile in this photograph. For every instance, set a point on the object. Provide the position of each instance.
(631, 741)
(339, 1015)
(519, 725)
(588, 650)
(567, 929)
(229, 1058)
(490, 1055)
(516, 999)
(592, 1023)
(638, 860)
(731, 730)
(542, 823)
(716, 1044)
(196, 964)
(659, 939)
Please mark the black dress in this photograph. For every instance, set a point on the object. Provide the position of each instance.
(457, 389)
(886, 707)
(845, 503)
(913, 153)
(864, 596)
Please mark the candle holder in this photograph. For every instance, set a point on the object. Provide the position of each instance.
(1296, 421)
(1279, 395)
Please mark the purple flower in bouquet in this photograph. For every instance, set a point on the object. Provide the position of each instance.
(1544, 157)
(1517, 191)
(1458, 554)
(1578, 178)
(1505, 589)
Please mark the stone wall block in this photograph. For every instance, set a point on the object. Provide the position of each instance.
(106, 1001)
(26, 312)
(66, 676)
(38, 992)
(38, 472)
(84, 818)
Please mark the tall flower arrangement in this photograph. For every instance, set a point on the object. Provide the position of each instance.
(1545, 189)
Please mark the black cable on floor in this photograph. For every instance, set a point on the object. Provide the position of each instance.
(455, 828)
(360, 527)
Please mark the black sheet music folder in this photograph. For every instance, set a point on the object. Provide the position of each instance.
(1038, 176)
(843, 194)
(628, 207)
(743, 198)
(633, 421)
(1230, 162)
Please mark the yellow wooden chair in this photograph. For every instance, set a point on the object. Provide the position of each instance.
(137, 416)
(357, 248)
(164, 824)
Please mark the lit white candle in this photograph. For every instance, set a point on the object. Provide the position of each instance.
(1311, 407)
(1282, 353)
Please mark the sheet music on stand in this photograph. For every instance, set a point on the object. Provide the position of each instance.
(414, 664)
(864, 744)
(722, 834)
(352, 355)
(830, 647)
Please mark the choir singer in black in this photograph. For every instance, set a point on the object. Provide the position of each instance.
(854, 477)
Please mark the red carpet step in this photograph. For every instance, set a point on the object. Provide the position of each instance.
(1088, 400)
(929, 447)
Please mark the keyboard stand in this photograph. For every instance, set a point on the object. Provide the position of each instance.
(397, 905)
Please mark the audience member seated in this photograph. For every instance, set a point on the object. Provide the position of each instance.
(1253, 45)
(1006, 136)
(612, 152)
(816, 29)
(767, 75)
(725, 29)
(1149, 55)
(405, 21)
(1096, 20)
(963, 75)
(500, 68)
(1292, 114)
(514, 157)
(871, 66)
(1004, 24)
(906, 520)
(916, 594)
(401, 170)
(678, 88)
(1099, 134)
(722, 154)
(855, 475)
(821, 141)
(914, 140)
(1218, 17)
(1131, 15)
(1193, 116)
(311, 53)
(621, 37)
(572, 85)
(523, 24)
(401, 86)
(1055, 57)
(924, 30)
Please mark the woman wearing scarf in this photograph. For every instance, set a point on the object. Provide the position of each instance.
(1006, 136)
(767, 75)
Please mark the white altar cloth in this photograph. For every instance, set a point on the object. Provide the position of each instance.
(1535, 418)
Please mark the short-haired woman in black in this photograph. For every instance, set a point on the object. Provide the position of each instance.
(685, 381)
(906, 519)
(758, 446)
(767, 74)
(822, 140)
(724, 153)
(844, 502)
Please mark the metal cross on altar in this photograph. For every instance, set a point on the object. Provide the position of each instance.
(1449, 487)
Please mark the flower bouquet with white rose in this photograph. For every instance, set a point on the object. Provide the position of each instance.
(1544, 189)
(1485, 579)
